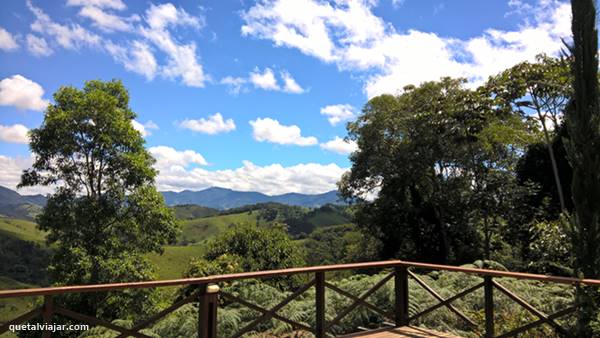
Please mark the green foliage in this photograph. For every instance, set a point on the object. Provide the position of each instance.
(339, 244)
(583, 121)
(105, 214)
(261, 248)
(434, 153)
(21, 229)
(24, 261)
(200, 230)
(191, 211)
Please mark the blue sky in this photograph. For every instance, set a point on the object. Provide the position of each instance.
(252, 95)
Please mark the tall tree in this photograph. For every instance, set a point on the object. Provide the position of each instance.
(542, 88)
(105, 213)
(583, 121)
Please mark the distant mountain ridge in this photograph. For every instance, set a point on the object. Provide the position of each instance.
(13, 204)
(222, 198)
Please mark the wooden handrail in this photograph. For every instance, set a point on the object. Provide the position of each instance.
(286, 272)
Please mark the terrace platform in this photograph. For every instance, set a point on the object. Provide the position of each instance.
(400, 332)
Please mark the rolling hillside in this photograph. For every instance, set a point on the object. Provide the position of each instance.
(200, 229)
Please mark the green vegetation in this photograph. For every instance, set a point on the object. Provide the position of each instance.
(200, 229)
(21, 229)
(191, 211)
(106, 213)
(583, 121)
(174, 260)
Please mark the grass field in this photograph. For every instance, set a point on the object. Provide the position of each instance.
(200, 229)
(173, 262)
(21, 229)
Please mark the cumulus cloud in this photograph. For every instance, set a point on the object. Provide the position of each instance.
(212, 125)
(340, 146)
(38, 46)
(146, 128)
(270, 130)
(168, 158)
(16, 133)
(7, 41)
(338, 113)
(350, 35)
(264, 80)
(20, 92)
(12, 168)
(273, 179)
(290, 84)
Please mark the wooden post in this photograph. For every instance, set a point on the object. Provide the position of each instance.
(208, 302)
(47, 315)
(488, 290)
(401, 295)
(320, 304)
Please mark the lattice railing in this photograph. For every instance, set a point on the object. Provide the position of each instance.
(207, 295)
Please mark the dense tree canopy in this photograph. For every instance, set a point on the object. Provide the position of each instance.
(105, 212)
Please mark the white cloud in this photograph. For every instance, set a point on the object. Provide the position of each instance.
(168, 158)
(338, 113)
(340, 146)
(144, 129)
(16, 133)
(269, 130)
(235, 84)
(106, 21)
(138, 58)
(7, 41)
(12, 168)
(290, 85)
(350, 35)
(214, 124)
(22, 93)
(265, 80)
(70, 37)
(112, 4)
(38, 46)
(182, 62)
(307, 178)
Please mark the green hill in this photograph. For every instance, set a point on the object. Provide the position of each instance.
(173, 262)
(21, 229)
(200, 229)
(191, 211)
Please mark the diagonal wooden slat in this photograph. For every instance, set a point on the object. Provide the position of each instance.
(263, 310)
(21, 319)
(441, 299)
(530, 308)
(362, 302)
(447, 301)
(98, 322)
(277, 307)
(364, 296)
(161, 314)
(538, 322)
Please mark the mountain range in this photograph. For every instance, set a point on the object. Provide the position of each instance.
(221, 198)
(13, 204)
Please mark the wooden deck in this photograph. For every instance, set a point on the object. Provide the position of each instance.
(401, 332)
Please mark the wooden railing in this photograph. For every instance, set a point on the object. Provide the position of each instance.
(208, 293)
